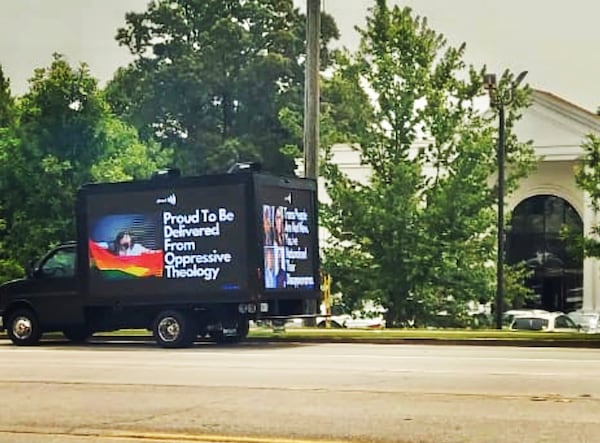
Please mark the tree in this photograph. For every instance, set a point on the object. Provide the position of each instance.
(587, 177)
(418, 236)
(7, 102)
(66, 136)
(211, 76)
(517, 294)
(9, 268)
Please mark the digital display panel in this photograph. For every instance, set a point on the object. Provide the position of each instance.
(169, 240)
(289, 239)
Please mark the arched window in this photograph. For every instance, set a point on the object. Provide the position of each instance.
(536, 233)
(536, 236)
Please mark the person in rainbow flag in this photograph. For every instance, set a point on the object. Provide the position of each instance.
(125, 258)
(125, 246)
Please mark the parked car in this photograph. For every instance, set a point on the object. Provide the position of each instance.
(371, 318)
(350, 321)
(509, 316)
(589, 321)
(546, 322)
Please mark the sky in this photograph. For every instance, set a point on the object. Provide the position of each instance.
(555, 41)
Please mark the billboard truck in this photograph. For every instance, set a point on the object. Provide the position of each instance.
(184, 257)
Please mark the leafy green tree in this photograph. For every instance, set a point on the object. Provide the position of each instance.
(7, 102)
(211, 76)
(9, 268)
(66, 136)
(516, 292)
(418, 236)
(587, 177)
(125, 157)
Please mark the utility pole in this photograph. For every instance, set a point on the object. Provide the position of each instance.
(311, 107)
(311, 89)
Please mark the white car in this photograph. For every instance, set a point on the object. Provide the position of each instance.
(589, 321)
(352, 321)
(545, 322)
(509, 316)
(371, 318)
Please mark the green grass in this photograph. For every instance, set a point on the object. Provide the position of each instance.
(417, 334)
(387, 334)
(391, 335)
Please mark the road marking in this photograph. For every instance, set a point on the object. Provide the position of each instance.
(163, 436)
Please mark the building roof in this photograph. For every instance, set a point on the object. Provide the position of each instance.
(565, 107)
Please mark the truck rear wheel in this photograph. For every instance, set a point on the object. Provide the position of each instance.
(23, 328)
(174, 329)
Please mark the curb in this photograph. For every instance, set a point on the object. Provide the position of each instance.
(441, 342)
(591, 344)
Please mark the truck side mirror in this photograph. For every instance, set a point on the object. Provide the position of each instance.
(31, 269)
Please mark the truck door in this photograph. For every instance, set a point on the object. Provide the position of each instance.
(53, 289)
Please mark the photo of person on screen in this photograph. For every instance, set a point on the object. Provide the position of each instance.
(267, 225)
(279, 229)
(270, 275)
(281, 275)
(125, 246)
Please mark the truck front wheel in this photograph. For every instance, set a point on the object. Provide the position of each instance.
(173, 329)
(23, 328)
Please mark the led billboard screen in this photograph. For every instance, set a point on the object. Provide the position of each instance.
(187, 239)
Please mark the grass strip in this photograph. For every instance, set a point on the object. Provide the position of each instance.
(418, 334)
(382, 335)
(393, 334)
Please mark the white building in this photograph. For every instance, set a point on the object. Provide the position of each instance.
(544, 201)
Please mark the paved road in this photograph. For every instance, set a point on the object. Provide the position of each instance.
(388, 393)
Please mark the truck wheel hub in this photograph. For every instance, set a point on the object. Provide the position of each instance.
(168, 329)
(22, 327)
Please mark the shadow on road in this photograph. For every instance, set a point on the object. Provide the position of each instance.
(148, 343)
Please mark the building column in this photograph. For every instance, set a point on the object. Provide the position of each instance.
(591, 266)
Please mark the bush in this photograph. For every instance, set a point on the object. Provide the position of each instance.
(9, 270)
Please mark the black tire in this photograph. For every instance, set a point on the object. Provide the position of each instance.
(243, 328)
(77, 334)
(332, 324)
(174, 329)
(23, 328)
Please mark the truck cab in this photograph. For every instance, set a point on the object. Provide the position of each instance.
(44, 300)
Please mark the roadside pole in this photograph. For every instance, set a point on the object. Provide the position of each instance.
(311, 89)
(311, 103)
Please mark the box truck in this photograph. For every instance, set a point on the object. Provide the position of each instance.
(184, 257)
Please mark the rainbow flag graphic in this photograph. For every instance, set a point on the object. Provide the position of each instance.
(147, 264)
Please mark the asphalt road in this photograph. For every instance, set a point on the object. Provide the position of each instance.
(298, 392)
